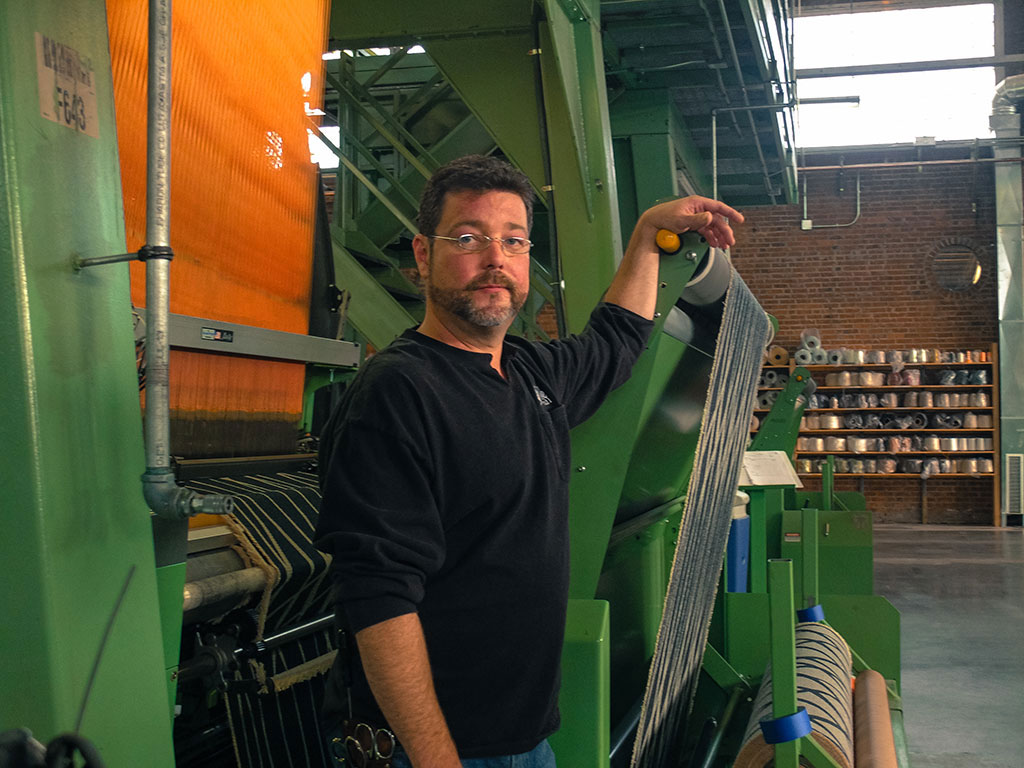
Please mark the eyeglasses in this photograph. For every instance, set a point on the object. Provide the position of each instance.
(476, 243)
(367, 745)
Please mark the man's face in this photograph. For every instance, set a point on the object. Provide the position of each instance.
(486, 288)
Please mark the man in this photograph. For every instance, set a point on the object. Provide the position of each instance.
(445, 479)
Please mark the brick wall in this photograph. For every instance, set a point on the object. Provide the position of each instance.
(870, 286)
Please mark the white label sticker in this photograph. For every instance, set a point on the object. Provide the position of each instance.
(67, 86)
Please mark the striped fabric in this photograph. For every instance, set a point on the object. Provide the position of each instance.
(273, 702)
(823, 668)
(704, 530)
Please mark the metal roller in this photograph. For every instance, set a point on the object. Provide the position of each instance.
(823, 667)
(711, 280)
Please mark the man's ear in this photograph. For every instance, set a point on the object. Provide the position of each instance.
(421, 250)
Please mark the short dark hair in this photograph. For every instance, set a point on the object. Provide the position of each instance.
(477, 173)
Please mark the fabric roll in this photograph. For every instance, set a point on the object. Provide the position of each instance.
(778, 355)
(803, 356)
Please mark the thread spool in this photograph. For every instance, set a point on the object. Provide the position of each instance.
(810, 339)
(803, 356)
(835, 443)
(764, 401)
(835, 357)
(771, 378)
(778, 356)
(813, 421)
(819, 357)
(823, 666)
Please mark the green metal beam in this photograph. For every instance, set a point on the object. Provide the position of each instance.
(77, 528)
(373, 311)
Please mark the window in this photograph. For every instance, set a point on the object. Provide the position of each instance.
(899, 107)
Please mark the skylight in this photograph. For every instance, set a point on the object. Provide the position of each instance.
(900, 107)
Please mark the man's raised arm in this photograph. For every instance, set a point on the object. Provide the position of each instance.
(635, 286)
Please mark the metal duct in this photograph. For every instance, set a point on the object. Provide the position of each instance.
(1005, 121)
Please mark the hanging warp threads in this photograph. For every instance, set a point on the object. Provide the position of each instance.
(704, 529)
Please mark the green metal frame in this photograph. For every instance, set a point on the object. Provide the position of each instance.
(78, 529)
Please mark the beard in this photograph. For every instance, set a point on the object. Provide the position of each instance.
(460, 302)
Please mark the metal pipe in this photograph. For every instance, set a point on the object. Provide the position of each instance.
(746, 98)
(163, 495)
(833, 226)
(909, 164)
(714, 140)
(96, 261)
(910, 66)
(723, 724)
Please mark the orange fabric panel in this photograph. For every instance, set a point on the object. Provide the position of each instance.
(242, 184)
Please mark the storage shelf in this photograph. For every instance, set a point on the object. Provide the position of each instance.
(938, 475)
(886, 409)
(888, 366)
(868, 432)
(966, 454)
(898, 387)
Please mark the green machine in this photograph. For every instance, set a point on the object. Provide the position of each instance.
(94, 597)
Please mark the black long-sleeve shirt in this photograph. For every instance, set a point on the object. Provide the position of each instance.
(445, 493)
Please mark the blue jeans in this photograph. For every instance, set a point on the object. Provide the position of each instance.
(541, 756)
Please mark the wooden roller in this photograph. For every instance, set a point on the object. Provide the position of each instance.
(874, 744)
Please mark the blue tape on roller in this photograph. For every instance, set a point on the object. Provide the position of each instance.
(814, 613)
(788, 728)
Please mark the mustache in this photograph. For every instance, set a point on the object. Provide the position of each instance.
(493, 277)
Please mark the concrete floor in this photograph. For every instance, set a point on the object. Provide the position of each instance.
(960, 593)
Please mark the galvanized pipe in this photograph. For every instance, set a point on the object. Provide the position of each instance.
(162, 493)
(746, 98)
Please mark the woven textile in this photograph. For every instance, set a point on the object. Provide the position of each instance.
(274, 701)
(704, 530)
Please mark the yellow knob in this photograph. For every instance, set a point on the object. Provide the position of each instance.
(668, 241)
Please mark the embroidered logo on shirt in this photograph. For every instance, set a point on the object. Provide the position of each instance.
(542, 396)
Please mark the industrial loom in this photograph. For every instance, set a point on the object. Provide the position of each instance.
(197, 632)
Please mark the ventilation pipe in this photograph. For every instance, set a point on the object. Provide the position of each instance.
(162, 492)
(1005, 121)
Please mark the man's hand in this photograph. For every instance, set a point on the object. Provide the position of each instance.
(708, 217)
(635, 286)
